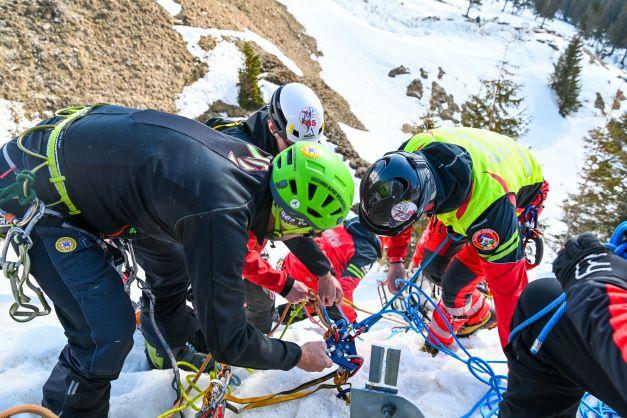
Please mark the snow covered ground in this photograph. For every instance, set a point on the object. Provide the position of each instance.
(360, 41)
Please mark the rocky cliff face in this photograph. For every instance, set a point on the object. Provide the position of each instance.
(56, 53)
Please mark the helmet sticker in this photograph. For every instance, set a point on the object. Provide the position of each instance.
(310, 121)
(295, 203)
(485, 239)
(290, 221)
(311, 151)
(403, 211)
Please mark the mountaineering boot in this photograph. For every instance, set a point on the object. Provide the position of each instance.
(470, 327)
(186, 354)
(429, 349)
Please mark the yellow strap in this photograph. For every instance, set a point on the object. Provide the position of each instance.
(70, 114)
(226, 125)
(291, 394)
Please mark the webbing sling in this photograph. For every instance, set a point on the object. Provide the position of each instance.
(56, 178)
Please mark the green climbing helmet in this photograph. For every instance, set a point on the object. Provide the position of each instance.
(310, 182)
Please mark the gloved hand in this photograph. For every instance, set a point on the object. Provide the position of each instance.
(584, 257)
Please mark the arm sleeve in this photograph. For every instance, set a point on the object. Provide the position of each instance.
(361, 261)
(215, 248)
(598, 311)
(308, 253)
(397, 249)
(259, 271)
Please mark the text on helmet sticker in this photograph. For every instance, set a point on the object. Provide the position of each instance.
(310, 121)
(485, 239)
(404, 210)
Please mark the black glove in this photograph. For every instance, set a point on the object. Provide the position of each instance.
(584, 257)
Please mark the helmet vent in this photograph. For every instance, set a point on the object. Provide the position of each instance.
(293, 187)
(312, 191)
(290, 157)
(328, 200)
(337, 211)
(313, 213)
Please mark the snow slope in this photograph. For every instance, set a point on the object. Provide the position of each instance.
(362, 41)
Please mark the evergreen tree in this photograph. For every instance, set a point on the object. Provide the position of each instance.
(617, 33)
(600, 202)
(429, 121)
(249, 93)
(546, 9)
(565, 78)
(472, 3)
(497, 106)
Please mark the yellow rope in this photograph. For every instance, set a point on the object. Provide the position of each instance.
(185, 401)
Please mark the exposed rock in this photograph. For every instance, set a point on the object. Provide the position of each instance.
(401, 69)
(441, 73)
(408, 128)
(414, 89)
(57, 53)
(424, 73)
(207, 43)
(443, 104)
(599, 103)
(219, 108)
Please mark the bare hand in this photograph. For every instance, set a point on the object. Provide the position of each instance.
(396, 271)
(314, 357)
(329, 290)
(298, 293)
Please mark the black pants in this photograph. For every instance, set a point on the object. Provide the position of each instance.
(552, 383)
(259, 306)
(95, 312)
(166, 274)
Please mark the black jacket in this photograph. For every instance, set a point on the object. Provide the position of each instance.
(163, 176)
(254, 130)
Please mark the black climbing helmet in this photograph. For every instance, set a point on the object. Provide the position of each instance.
(395, 191)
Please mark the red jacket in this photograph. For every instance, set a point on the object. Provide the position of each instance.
(351, 249)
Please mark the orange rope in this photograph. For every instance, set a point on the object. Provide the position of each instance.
(28, 409)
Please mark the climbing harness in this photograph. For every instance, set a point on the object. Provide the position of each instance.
(17, 231)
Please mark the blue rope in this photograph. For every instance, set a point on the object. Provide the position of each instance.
(548, 308)
(488, 405)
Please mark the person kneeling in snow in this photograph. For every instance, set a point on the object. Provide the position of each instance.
(185, 196)
(586, 350)
(476, 183)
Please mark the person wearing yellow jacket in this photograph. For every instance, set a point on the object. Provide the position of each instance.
(476, 184)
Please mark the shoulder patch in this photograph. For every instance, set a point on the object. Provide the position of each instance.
(485, 239)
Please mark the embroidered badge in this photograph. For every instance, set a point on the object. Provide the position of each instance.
(485, 239)
(65, 245)
(404, 210)
(311, 151)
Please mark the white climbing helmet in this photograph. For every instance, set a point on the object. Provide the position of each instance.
(297, 113)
